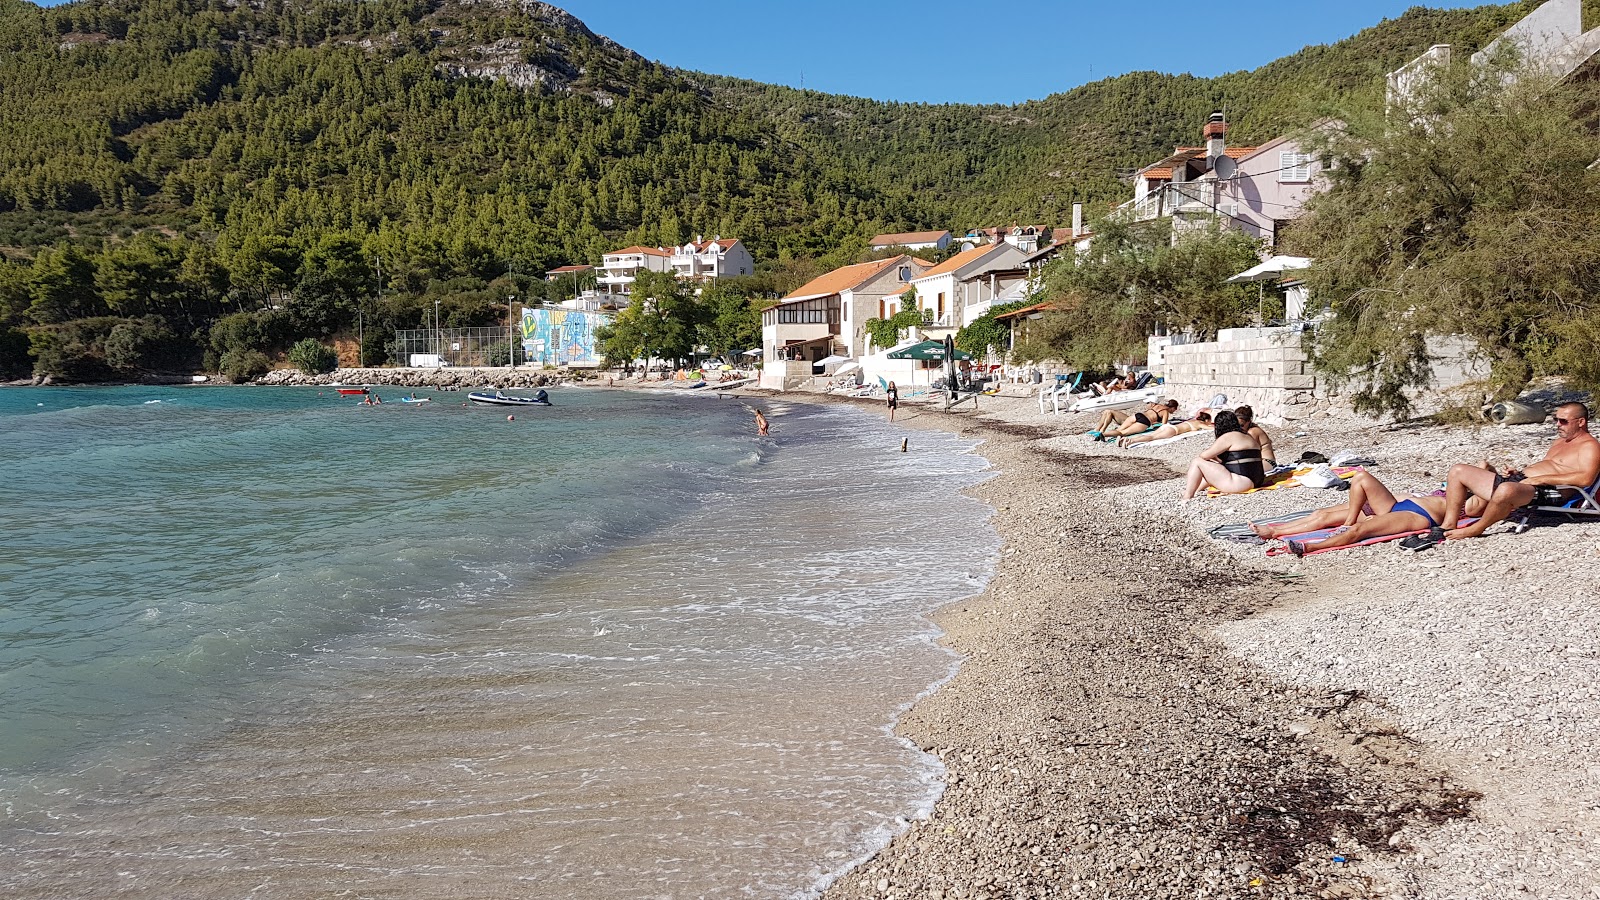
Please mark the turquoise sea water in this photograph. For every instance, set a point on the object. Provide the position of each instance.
(272, 641)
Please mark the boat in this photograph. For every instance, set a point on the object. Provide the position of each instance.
(415, 399)
(353, 391)
(1117, 400)
(496, 398)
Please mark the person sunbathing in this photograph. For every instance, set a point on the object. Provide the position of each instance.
(1117, 423)
(1200, 422)
(1232, 464)
(1400, 516)
(1247, 420)
(1573, 459)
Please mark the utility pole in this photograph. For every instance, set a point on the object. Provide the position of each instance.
(438, 338)
(511, 325)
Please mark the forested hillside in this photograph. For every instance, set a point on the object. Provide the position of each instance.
(183, 160)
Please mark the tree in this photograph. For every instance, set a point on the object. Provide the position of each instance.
(313, 357)
(141, 344)
(61, 286)
(1469, 209)
(1135, 278)
(730, 321)
(985, 333)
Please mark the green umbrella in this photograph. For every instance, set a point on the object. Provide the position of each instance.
(926, 350)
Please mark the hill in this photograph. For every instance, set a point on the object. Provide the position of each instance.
(265, 144)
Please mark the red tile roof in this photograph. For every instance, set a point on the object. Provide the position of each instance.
(841, 279)
(648, 251)
(907, 238)
(562, 270)
(961, 259)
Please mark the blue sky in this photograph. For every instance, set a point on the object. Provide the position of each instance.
(970, 52)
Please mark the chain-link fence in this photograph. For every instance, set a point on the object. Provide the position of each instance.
(428, 348)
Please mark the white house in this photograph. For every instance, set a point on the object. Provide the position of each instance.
(827, 315)
(620, 268)
(913, 240)
(700, 260)
(964, 286)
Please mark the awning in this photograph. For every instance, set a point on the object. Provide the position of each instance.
(1271, 270)
(926, 350)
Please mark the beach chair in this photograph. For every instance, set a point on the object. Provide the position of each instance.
(1064, 388)
(1584, 506)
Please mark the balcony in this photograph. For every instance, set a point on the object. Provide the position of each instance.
(1184, 197)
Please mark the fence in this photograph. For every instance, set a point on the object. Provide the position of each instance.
(456, 346)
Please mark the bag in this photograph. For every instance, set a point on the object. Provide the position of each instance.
(1312, 457)
(1321, 477)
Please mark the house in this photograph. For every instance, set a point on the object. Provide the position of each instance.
(827, 315)
(963, 287)
(620, 268)
(1270, 186)
(1026, 238)
(913, 240)
(701, 260)
(1184, 185)
(1551, 39)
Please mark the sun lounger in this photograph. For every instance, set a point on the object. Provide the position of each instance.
(1063, 389)
(1585, 505)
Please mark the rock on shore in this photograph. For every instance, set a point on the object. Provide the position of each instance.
(443, 378)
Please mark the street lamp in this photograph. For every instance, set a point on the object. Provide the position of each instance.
(438, 338)
(511, 325)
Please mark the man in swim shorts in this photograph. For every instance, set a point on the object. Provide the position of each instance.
(1574, 459)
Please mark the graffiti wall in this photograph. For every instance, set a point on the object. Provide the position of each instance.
(561, 337)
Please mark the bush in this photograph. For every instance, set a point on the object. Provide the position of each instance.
(312, 357)
(144, 343)
(244, 365)
(73, 351)
(15, 361)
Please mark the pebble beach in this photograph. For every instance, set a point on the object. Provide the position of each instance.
(1143, 711)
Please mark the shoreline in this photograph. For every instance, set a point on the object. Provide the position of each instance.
(1128, 718)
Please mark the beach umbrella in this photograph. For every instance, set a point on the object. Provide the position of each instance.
(847, 367)
(950, 363)
(929, 350)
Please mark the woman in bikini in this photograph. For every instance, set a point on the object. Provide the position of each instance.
(1372, 511)
(1232, 464)
(1200, 422)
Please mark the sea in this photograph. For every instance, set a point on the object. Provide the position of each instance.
(271, 642)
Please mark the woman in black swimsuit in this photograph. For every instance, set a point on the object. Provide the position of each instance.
(1232, 464)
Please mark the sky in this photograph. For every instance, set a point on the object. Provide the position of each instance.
(971, 52)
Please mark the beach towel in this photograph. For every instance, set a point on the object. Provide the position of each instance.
(1240, 531)
(1283, 549)
(1289, 478)
(1169, 440)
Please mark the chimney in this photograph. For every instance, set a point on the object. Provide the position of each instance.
(1077, 220)
(1216, 136)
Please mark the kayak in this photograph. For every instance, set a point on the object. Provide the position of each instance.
(415, 399)
(353, 391)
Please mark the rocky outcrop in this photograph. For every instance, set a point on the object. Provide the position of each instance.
(436, 379)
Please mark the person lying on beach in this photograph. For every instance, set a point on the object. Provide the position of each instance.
(1373, 513)
(1574, 458)
(1118, 422)
(1247, 420)
(1200, 422)
(1232, 464)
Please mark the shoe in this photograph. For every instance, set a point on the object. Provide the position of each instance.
(1430, 538)
(1298, 548)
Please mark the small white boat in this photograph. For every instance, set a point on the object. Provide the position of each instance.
(1117, 400)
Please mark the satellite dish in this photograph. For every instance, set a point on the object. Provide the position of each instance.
(1224, 167)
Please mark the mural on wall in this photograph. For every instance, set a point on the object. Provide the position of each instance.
(561, 337)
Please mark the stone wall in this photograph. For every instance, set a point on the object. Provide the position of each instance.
(1264, 367)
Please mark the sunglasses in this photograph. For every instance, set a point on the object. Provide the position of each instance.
(1561, 421)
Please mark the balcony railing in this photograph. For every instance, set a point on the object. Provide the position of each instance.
(1182, 196)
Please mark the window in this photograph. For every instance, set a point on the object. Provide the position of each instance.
(940, 313)
(1294, 167)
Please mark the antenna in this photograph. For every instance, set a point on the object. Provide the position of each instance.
(1224, 167)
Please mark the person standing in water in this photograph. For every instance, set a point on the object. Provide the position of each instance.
(761, 423)
(893, 395)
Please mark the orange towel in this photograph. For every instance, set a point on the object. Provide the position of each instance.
(1287, 479)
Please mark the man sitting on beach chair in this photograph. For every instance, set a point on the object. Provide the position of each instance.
(1574, 459)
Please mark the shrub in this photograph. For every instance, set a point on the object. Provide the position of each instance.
(143, 343)
(244, 365)
(312, 357)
